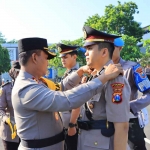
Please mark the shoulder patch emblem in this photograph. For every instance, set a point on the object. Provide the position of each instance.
(84, 34)
(117, 92)
(141, 72)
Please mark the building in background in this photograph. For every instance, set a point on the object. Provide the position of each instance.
(13, 54)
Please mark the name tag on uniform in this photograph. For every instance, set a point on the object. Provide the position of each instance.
(141, 79)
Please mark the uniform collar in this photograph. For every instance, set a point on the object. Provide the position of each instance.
(74, 67)
(121, 61)
(24, 74)
(109, 62)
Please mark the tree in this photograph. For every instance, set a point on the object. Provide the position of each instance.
(12, 41)
(2, 39)
(145, 60)
(130, 50)
(4, 60)
(118, 19)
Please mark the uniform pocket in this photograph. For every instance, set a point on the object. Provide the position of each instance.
(95, 140)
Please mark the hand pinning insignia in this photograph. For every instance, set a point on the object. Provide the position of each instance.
(117, 92)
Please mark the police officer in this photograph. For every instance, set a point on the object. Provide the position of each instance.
(68, 56)
(103, 123)
(8, 134)
(136, 133)
(36, 107)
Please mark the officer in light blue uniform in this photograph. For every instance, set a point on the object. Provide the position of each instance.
(8, 134)
(136, 133)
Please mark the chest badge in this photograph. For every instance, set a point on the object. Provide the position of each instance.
(117, 92)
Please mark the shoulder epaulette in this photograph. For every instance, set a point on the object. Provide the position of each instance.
(131, 63)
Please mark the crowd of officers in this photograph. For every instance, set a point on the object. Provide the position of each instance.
(98, 111)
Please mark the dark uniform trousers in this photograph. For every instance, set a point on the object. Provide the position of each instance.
(136, 135)
(71, 142)
(10, 145)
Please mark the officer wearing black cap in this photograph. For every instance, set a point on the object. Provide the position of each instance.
(68, 56)
(36, 106)
(105, 116)
(7, 126)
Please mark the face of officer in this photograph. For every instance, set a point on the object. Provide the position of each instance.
(116, 54)
(42, 63)
(68, 61)
(96, 58)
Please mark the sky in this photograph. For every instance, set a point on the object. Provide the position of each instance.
(56, 20)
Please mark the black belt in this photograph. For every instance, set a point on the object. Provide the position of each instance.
(95, 124)
(107, 128)
(39, 143)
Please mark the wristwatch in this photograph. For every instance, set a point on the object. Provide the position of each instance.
(71, 125)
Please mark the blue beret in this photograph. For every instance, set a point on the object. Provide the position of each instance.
(118, 42)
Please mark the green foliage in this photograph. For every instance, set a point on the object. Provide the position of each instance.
(55, 62)
(4, 60)
(12, 41)
(130, 50)
(145, 60)
(2, 39)
(118, 19)
(146, 44)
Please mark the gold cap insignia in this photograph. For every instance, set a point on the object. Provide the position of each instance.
(46, 48)
(59, 49)
(84, 34)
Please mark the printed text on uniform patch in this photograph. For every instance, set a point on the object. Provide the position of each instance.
(117, 92)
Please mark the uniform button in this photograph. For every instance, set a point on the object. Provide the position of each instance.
(95, 143)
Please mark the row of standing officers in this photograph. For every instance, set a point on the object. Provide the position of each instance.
(105, 98)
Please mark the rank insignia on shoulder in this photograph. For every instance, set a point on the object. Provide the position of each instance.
(117, 92)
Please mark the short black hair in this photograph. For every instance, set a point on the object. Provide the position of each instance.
(24, 56)
(73, 53)
(109, 46)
